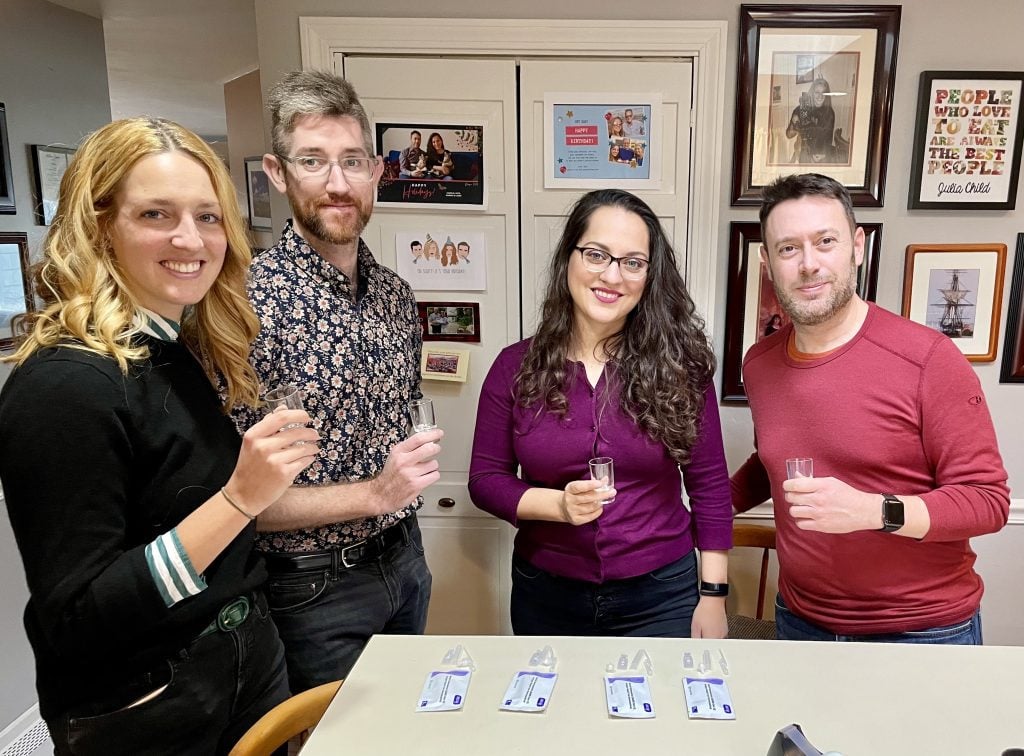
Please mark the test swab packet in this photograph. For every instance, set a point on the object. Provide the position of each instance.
(530, 690)
(707, 698)
(629, 696)
(444, 690)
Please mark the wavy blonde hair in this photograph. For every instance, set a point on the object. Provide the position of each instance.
(87, 301)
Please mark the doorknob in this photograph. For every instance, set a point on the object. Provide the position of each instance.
(446, 502)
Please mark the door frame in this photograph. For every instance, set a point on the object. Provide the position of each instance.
(324, 39)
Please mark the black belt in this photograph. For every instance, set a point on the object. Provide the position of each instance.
(352, 555)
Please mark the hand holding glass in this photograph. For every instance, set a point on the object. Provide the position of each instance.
(601, 468)
(421, 412)
(799, 467)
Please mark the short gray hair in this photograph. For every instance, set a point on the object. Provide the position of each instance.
(312, 93)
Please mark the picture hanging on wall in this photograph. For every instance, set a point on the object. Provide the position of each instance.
(815, 93)
(438, 364)
(15, 284)
(441, 258)
(593, 138)
(967, 144)
(431, 165)
(450, 321)
(957, 289)
(49, 164)
(257, 189)
(7, 206)
(1013, 344)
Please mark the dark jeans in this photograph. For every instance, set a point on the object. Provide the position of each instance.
(791, 627)
(326, 619)
(657, 604)
(217, 688)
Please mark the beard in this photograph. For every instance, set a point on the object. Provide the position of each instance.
(818, 311)
(307, 214)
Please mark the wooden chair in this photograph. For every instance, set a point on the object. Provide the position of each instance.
(758, 537)
(295, 717)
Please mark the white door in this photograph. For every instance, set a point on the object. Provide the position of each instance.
(469, 551)
(545, 209)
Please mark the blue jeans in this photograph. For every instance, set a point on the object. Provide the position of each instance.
(326, 619)
(217, 688)
(657, 604)
(791, 627)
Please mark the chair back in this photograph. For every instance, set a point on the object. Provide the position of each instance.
(295, 717)
(758, 537)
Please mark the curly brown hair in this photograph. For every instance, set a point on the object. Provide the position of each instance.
(662, 357)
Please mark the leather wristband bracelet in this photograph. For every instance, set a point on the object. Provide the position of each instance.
(718, 590)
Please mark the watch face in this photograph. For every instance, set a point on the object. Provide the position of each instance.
(892, 513)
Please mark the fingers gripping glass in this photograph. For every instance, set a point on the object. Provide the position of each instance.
(597, 260)
(357, 169)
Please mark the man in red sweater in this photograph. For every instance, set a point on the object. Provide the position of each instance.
(875, 545)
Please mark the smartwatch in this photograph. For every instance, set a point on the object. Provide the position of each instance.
(892, 513)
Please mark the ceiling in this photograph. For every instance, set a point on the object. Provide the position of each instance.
(171, 58)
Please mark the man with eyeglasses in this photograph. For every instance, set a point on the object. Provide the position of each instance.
(342, 546)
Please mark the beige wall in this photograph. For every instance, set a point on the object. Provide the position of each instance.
(243, 106)
(925, 44)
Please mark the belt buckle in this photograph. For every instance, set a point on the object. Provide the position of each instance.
(233, 614)
(343, 553)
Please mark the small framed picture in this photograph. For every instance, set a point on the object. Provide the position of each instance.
(450, 321)
(437, 165)
(968, 141)
(1013, 346)
(957, 289)
(7, 206)
(753, 311)
(49, 164)
(257, 191)
(15, 285)
(444, 364)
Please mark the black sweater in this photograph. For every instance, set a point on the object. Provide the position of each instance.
(95, 465)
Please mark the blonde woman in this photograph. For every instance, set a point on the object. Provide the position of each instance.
(131, 496)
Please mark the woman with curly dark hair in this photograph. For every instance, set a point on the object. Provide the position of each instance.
(619, 367)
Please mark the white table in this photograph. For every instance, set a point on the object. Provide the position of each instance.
(860, 699)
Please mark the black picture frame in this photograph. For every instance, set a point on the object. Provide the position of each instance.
(740, 314)
(257, 194)
(1012, 370)
(7, 203)
(465, 328)
(857, 158)
(22, 302)
(967, 174)
(49, 162)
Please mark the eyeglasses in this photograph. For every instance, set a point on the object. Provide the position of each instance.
(357, 169)
(597, 260)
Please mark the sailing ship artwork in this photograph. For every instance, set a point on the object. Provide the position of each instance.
(951, 301)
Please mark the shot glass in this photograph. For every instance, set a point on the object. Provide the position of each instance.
(285, 396)
(421, 414)
(604, 468)
(799, 467)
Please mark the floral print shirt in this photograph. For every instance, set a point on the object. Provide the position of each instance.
(356, 361)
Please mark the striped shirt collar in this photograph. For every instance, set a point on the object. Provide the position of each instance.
(156, 326)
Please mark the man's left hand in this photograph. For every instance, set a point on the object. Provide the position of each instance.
(828, 505)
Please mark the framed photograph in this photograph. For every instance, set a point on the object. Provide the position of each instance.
(15, 284)
(450, 321)
(593, 138)
(441, 258)
(444, 364)
(752, 309)
(257, 192)
(967, 141)
(431, 165)
(1013, 345)
(957, 289)
(7, 206)
(815, 95)
(48, 164)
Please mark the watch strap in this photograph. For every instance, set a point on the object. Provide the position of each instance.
(719, 590)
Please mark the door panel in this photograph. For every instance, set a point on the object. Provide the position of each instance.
(544, 209)
(468, 550)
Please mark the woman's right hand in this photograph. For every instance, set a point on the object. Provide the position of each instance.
(581, 501)
(272, 455)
